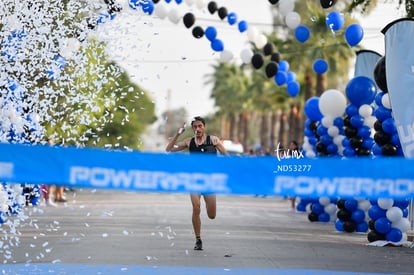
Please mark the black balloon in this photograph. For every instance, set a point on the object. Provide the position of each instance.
(380, 76)
(275, 57)
(222, 12)
(350, 131)
(362, 151)
(91, 23)
(378, 125)
(321, 148)
(155, 1)
(389, 149)
(212, 7)
(274, 2)
(355, 142)
(349, 226)
(340, 204)
(347, 121)
(257, 60)
(268, 49)
(313, 125)
(381, 137)
(271, 69)
(313, 217)
(375, 236)
(189, 20)
(344, 215)
(198, 32)
(371, 224)
(326, 4)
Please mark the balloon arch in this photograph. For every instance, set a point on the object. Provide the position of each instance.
(362, 128)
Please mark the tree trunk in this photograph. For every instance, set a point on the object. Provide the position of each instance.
(282, 129)
(264, 131)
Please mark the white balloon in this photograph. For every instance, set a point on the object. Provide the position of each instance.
(338, 139)
(324, 201)
(260, 41)
(385, 100)
(310, 154)
(174, 15)
(292, 20)
(330, 208)
(364, 205)
(201, 4)
(246, 55)
(365, 110)
(385, 203)
(333, 131)
(394, 214)
(226, 56)
(252, 32)
(327, 121)
(161, 11)
(286, 6)
(370, 121)
(332, 103)
(403, 224)
(189, 2)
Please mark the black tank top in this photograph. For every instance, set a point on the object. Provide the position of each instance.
(206, 147)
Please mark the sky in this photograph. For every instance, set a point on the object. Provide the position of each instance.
(164, 58)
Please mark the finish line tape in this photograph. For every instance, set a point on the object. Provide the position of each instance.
(181, 172)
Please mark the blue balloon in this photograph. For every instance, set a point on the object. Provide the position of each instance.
(388, 126)
(339, 225)
(313, 140)
(293, 88)
(243, 26)
(351, 204)
(317, 208)
(332, 149)
(335, 20)
(148, 7)
(361, 90)
(211, 33)
(283, 65)
(291, 76)
(354, 34)
(378, 98)
(311, 109)
(375, 212)
(362, 227)
(364, 132)
(402, 203)
(176, 1)
(280, 78)
(382, 113)
(60, 61)
(351, 110)
(322, 130)
(338, 122)
(320, 66)
(358, 216)
(324, 217)
(382, 225)
(394, 235)
(376, 149)
(302, 33)
(349, 152)
(232, 18)
(368, 142)
(217, 45)
(357, 121)
(134, 4)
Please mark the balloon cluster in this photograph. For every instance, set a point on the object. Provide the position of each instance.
(322, 210)
(359, 120)
(13, 197)
(388, 220)
(352, 215)
(332, 105)
(387, 142)
(313, 117)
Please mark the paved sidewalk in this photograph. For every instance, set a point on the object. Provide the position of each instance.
(108, 232)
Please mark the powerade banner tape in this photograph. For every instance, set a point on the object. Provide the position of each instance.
(180, 172)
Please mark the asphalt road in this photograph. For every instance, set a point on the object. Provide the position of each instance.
(108, 232)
